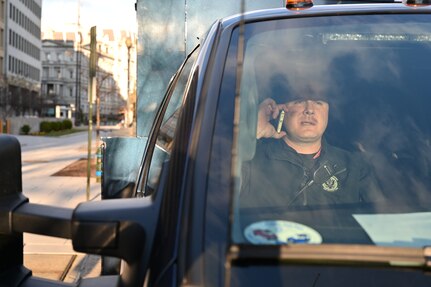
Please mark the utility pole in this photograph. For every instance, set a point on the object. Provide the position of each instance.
(91, 92)
(129, 46)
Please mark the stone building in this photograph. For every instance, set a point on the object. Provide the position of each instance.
(64, 90)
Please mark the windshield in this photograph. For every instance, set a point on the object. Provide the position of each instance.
(335, 135)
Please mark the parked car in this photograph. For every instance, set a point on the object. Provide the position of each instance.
(185, 223)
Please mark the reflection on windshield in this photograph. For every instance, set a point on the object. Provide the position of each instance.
(355, 139)
(374, 37)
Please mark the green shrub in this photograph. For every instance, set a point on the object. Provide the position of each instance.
(45, 127)
(56, 126)
(67, 124)
(25, 129)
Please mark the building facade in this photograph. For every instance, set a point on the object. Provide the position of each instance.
(65, 61)
(58, 86)
(20, 58)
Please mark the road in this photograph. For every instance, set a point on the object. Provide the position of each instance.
(42, 158)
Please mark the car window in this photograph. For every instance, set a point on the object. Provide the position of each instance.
(166, 131)
(359, 84)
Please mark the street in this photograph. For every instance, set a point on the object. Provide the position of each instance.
(42, 158)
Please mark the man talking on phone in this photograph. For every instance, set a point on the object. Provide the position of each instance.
(294, 165)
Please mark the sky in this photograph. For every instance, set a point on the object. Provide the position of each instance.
(115, 14)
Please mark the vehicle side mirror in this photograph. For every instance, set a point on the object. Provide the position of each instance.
(10, 165)
(122, 228)
(102, 228)
(11, 245)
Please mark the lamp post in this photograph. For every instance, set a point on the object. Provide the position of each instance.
(78, 113)
(99, 86)
(78, 82)
(97, 110)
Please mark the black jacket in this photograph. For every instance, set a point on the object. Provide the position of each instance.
(278, 176)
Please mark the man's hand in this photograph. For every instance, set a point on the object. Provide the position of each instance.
(268, 109)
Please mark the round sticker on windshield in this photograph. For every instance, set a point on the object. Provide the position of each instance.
(281, 232)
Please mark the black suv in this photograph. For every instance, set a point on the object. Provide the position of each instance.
(219, 201)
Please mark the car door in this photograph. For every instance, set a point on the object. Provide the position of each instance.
(155, 171)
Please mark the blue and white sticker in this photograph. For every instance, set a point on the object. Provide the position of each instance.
(275, 232)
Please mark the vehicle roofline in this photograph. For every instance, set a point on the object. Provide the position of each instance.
(324, 10)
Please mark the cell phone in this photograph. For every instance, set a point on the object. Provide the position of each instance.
(280, 121)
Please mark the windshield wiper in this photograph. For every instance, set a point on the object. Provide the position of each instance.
(335, 254)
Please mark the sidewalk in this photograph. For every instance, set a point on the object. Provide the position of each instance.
(42, 157)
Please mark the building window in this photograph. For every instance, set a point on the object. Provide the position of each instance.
(58, 72)
(45, 72)
(50, 89)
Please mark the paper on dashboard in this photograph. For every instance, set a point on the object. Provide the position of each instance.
(401, 229)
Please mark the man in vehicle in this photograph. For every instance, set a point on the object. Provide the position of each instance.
(296, 166)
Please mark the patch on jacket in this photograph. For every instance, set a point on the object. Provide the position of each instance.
(331, 184)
